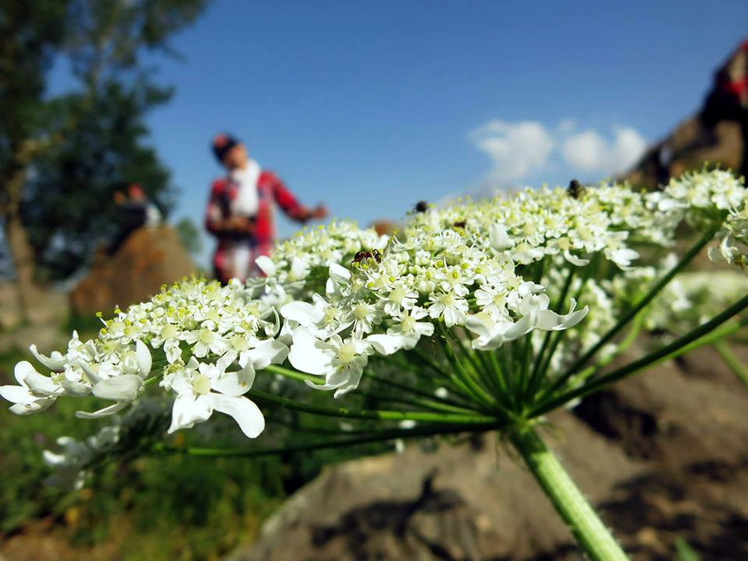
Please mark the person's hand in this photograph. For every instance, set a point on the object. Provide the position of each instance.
(239, 225)
(319, 212)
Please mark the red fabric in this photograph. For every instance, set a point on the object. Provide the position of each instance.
(223, 191)
(738, 87)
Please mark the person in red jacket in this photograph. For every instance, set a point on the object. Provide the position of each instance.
(240, 210)
(728, 101)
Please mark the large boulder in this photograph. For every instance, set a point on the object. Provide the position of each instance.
(662, 456)
(148, 259)
(694, 143)
(691, 151)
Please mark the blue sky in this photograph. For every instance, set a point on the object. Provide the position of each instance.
(372, 106)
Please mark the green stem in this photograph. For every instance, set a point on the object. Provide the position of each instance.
(455, 406)
(475, 389)
(540, 366)
(631, 336)
(483, 373)
(628, 316)
(732, 362)
(458, 385)
(416, 402)
(423, 417)
(566, 498)
(381, 436)
(294, 375)
(678, 347)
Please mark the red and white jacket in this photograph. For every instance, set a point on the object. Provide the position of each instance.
(269, 189)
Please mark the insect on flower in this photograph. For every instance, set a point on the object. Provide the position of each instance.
(362, 256)
(575, 189)
(421, 206)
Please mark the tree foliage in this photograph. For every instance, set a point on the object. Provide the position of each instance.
(93, 140)
(189, 234)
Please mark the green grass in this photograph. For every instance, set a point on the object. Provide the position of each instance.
(150, 508)
(168, 508)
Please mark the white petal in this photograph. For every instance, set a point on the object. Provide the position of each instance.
(105, 412)
(386, 344)
(303, 313)
(307, 353)
(551, 321)
(266, 265)
(268, 352)
(247, 415)
(56, 363)
(21, 370)
(574, 260)
(323, 387)
(189, 410)
(523, 326)
(499, 237)
(299, 268)
(91, 374)
(75, 388)
(339, 274)
(40, 385)
(143, 356)
(235, 383)
(477, 325)
(31, 408)
(120, 388)
(17, 394)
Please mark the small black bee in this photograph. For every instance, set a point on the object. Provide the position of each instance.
(575, 189)
(460, 224)
(421, 206)
(363, 255)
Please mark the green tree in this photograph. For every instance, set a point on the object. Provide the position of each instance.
(30, 35)
(190, 236)
(87, 144)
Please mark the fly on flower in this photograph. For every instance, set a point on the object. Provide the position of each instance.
(421, 206)
(575, 189)
(362, 258)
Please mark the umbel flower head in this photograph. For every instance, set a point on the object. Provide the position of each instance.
(480, 316)
(480, 292)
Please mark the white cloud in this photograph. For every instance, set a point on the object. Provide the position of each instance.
(516, 149)
(589, 152)
(523, 150)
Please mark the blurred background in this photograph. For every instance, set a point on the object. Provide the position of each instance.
(368, 107)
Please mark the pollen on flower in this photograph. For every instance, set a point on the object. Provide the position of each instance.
(201, 384)
(206, 336)
(347, 352)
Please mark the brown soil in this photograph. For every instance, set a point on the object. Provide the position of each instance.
(662, 456)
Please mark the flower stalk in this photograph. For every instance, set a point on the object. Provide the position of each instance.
(567, 499)
(482, 316)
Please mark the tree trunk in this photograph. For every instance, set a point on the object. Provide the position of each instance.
(19, 247)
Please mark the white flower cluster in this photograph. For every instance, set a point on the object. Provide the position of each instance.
(76, 459)
(300, 264)
(691, 299)
(210, 341)
(490, 272)
(716, 195)
(387, 301)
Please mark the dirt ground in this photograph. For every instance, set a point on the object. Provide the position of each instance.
(43, 328)
(663, 456)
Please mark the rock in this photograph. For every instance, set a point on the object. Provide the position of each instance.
(686, 141)
(662, 456)
(691, 144)
(148, 259)
(457, 503)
